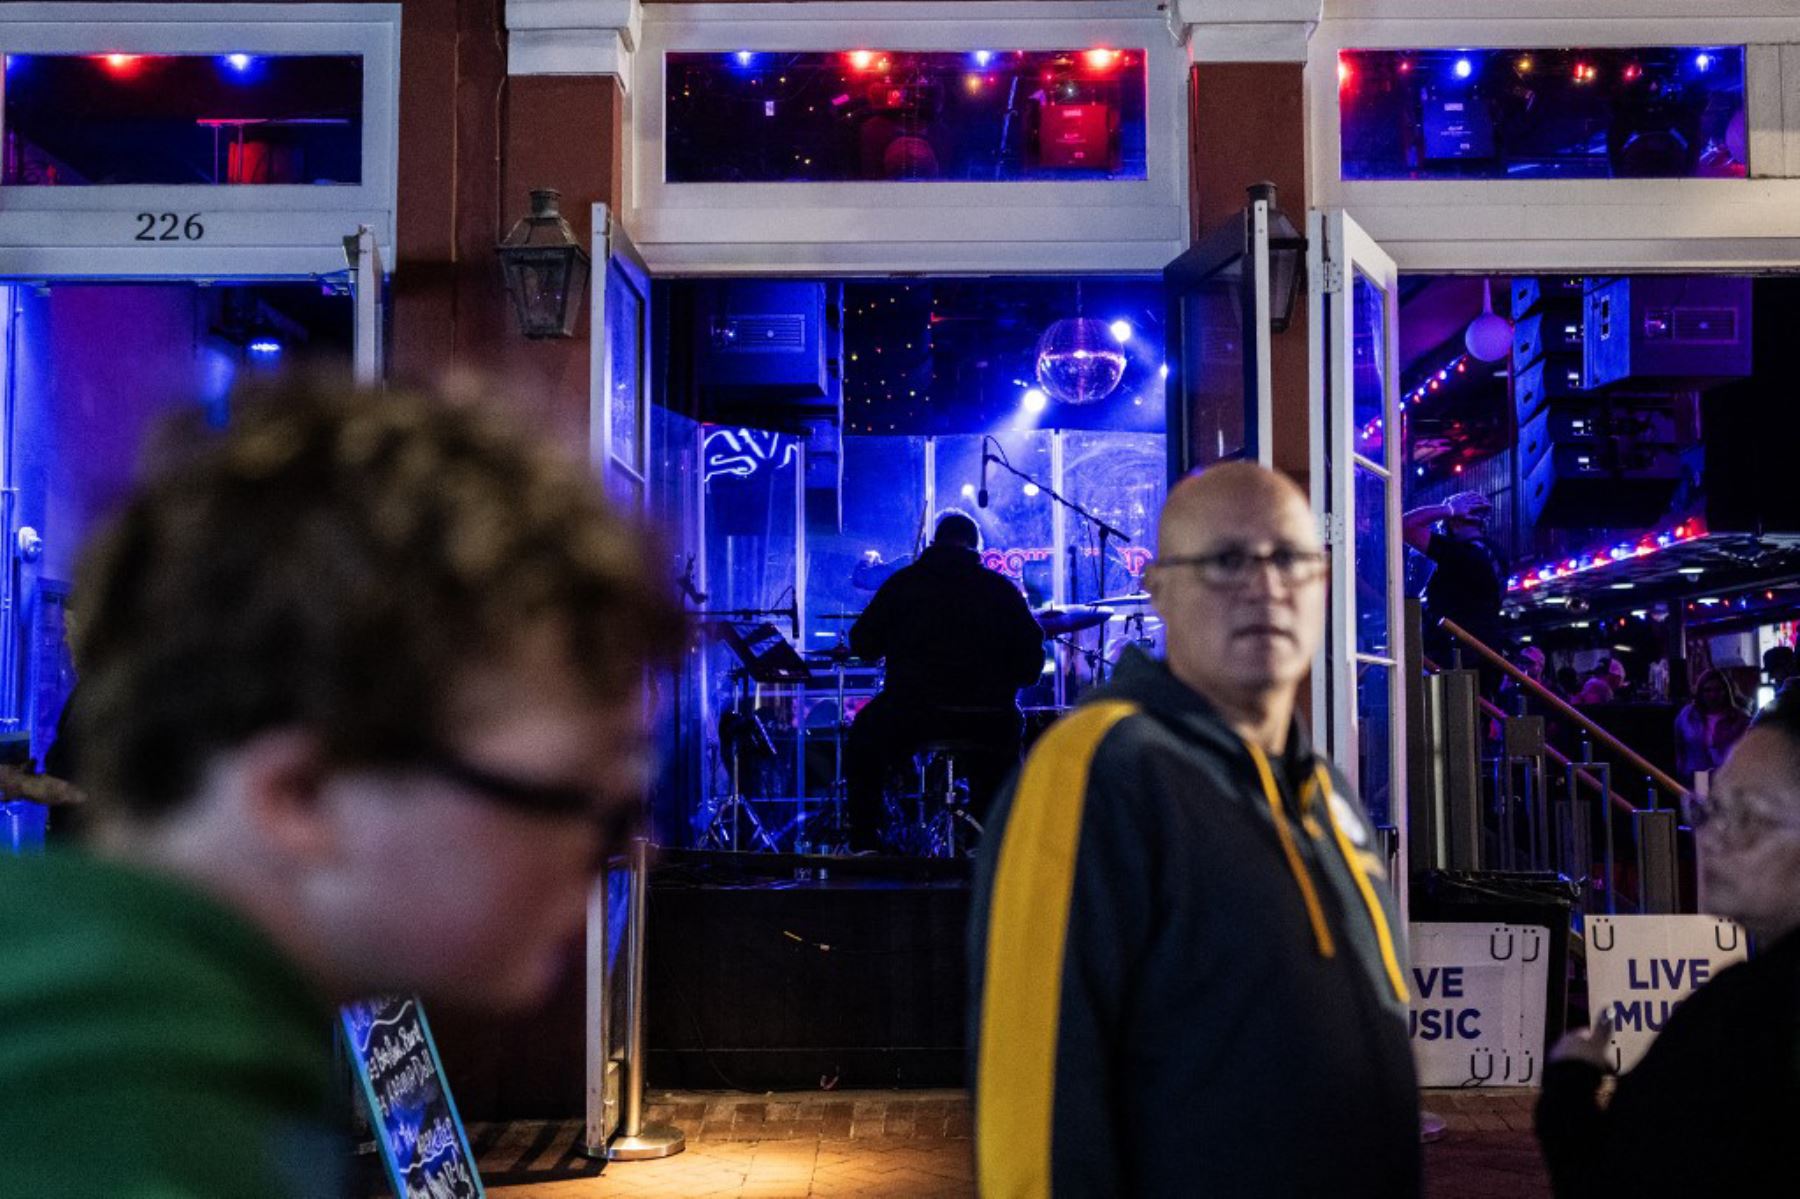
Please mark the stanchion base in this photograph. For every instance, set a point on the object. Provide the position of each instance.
(656, 1140)
(1431, 1128)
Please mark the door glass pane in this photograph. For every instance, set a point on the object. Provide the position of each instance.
(1369, 350)
(884, 524)
(1212, 372)
(1016, 534)
(75, 119)
(1119, 477)
(1370, 503)
(1374, 727)
(980, 116)
(625, 387)
(751, 482)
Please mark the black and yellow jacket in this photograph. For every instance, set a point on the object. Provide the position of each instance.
(1187, 973)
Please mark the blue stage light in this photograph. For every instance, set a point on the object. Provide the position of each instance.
(745, 58)
(1031, 490)
(1703, 61)
(264, 345)
(983, 57)
(1464, 68)
(1035, 400)
(1121, 331)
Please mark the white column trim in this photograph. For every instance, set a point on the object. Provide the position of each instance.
(573, 37)
(1245, 30)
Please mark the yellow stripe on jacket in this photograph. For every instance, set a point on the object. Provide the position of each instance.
(1027, 933)
(1309, 895)
(1384, 937)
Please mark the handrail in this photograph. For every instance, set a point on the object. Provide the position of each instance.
(1495, 711)
(1634, 759)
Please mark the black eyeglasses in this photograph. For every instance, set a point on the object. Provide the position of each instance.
(617, 821)
(1236, 567)
(1732, 822)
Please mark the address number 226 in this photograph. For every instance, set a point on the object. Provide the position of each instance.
(169, 226)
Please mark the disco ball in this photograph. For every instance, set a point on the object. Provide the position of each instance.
(1079, 361)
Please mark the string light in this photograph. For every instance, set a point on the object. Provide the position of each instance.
(1691, 529)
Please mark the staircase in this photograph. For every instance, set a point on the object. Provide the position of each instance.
(1489, 793)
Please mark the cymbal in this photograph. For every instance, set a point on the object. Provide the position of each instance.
(1057, 621)
(1136, 597)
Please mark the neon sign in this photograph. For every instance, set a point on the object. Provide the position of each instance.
(1011, 562)
(741, 453)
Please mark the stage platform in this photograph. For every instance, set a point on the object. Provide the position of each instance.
(759, 980)
(755, 980)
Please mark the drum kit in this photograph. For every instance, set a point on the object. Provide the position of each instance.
(927, 807)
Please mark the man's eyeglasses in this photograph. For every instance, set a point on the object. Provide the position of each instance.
(1233, 568)
(617, 820)
(1733, 822)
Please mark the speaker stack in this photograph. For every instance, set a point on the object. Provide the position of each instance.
(1605, 370)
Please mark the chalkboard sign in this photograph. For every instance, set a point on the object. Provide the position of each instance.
(422, 1140)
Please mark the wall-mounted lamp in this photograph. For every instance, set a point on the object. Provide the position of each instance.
(1287, 259)
(546, 269)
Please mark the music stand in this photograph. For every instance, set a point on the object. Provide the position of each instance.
(764, 656)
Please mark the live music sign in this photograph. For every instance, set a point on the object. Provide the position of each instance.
(1641, 968)
(1478, 998)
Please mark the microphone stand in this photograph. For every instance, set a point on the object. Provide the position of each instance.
(1105, 530)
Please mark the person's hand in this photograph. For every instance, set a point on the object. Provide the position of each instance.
(19, 783)
(1469, 505)
(15, 781)
(1586, 1044)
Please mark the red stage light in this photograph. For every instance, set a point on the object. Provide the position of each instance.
(1344, 73)
(1633, 72)
(1101, 59)
(862, 60)
(120, 64)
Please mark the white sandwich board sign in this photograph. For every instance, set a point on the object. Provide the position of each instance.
(1640, 968)
(1478, 998)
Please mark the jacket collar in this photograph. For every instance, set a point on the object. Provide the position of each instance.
(1149, 683)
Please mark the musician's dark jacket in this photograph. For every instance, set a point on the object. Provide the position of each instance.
(951, 632)
(1188, 976)
(1709, 1109)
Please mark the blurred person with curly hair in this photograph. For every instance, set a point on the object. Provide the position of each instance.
(362, 711)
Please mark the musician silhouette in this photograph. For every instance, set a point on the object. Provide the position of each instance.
(958, 641)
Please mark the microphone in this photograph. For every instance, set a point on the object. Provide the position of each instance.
(981, 497)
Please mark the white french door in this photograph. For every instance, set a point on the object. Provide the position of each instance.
(1359, 709)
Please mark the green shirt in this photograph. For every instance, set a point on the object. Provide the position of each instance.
(155, 1045)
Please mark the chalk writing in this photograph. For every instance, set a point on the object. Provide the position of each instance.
(423, 1145)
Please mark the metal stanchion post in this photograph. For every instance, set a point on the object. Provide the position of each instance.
(1609, 872)
(635, 1141)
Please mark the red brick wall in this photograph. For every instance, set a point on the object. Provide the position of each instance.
(1248, 122)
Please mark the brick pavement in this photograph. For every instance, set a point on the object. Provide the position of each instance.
(916, 1145)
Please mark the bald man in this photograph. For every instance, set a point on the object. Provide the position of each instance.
(1186, 966)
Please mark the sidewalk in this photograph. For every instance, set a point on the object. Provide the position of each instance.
(912, 1145)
